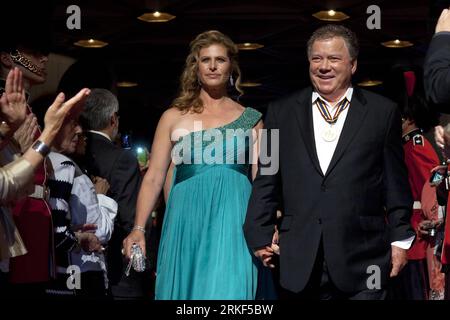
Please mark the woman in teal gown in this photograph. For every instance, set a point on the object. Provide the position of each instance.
(203, 253)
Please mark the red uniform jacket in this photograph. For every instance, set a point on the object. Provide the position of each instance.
(420, 158)
(33, 220)
(445, 256)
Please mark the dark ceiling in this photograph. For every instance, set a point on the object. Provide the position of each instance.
(153, 54)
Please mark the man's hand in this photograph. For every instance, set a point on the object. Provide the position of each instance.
(89, 242)
(443, 23)
(276, 241)
(101, 185)
(265, 255)
(399, 259)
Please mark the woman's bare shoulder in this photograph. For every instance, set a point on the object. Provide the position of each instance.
(171, 116)
(239, 107)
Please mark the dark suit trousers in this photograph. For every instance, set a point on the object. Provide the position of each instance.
(321, 287)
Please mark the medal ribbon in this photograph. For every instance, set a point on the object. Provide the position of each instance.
(326, 114)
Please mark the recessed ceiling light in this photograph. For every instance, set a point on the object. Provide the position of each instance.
(330, 15)
(156, 17)
(91, 43)
(370, 83)
(397, 43)
(249, 46)
(126, 84)
(250, 84)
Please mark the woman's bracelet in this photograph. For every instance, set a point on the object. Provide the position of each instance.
(142, 229)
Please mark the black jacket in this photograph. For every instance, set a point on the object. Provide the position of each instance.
(437, 71)
(358, 207)
(120, 168)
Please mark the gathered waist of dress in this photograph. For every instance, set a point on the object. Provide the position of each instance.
(186, 171)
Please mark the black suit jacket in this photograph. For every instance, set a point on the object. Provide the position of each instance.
(121, 169)
(437, 71)
(358, 207)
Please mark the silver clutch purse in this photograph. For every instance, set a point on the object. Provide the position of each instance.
(137, 260)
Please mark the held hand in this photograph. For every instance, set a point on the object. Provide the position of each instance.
(443, 23)
(101, 185)
(275, 241)
(89, 242)
(136, 236)
(265, 255)
(399, 259)
(13, 105)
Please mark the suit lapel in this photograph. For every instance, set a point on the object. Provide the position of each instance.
(353, 122)
(303, 112)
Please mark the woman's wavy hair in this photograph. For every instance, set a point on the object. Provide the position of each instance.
(189, 95)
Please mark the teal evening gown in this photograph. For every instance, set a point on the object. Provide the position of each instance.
(203, 253)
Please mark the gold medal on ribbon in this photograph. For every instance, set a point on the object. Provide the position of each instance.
(329, 134)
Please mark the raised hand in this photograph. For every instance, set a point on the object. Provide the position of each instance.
(443, 23)
(25, 134)
(13, 105)
(59, 110)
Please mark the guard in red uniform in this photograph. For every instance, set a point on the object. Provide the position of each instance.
(420, 158)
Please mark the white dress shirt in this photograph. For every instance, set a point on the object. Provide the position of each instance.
(325, 149)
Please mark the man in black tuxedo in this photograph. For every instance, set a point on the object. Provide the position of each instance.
(342, 181)
(120, 168)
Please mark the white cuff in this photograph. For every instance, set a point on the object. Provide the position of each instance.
(109, 203)
(404, 244)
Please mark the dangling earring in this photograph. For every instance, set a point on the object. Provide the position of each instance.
(231, 80)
